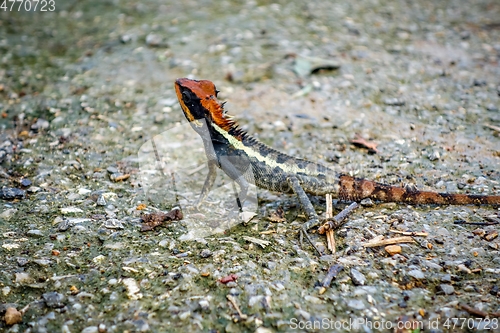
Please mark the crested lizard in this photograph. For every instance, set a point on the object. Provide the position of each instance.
(231, 149)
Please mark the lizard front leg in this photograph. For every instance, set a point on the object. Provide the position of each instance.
(209, 183)
(313, 219)
(242, 195)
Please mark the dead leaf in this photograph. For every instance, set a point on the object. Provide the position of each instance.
(155, 219)
(278, 215)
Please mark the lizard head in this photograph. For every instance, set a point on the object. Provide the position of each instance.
(198, 99)
(199, 102)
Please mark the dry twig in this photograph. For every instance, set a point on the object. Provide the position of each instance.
(338, 219)
(410, 233)
(332, 273)
(378, 241)
(330, 236)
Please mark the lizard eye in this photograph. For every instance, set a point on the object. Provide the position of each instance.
(186, 97)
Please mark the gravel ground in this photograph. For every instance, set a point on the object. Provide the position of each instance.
(85, 89)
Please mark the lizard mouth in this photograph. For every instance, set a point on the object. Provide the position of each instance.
(185, 109)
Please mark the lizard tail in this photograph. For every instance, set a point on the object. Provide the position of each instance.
(356, 189)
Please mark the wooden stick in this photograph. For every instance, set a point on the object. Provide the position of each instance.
(337, 220)
(409, 233)
(495, 128)
(232, 299)
(473, 311)
(330, 237)
(493, 221)
(377, 241)
(332, 274)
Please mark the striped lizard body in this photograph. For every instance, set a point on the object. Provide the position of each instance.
(246, 160)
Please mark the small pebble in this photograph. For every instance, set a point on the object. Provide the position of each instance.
(125, 39)
(416, 274)
(22, 278)
(112, 169)
(356, 304)
(205, 253)
(8, 213)
(447, 289)
(90, 329)
(101, 201)
(357, 277)
(53, 299)
(367, 202)
(34, 233)
(393, 249)
(10, 193)
(393, 102)
(12, 316)
(153, 40)
(434, 156)
(25, 182)
(113, 224)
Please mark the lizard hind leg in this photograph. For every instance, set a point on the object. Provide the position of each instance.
(313, 219)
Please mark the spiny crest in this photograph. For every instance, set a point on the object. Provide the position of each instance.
(225, 121)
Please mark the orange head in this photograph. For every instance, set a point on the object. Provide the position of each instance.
(198, 100)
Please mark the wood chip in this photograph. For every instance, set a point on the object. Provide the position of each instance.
(258, 241)
(491, 235)
(379, 241)
(122, 177)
